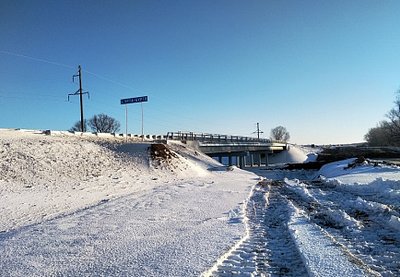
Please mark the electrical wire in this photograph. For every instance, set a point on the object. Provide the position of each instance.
(35, 59)
(182, 115)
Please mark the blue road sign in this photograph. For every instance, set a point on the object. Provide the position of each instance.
(134, 100)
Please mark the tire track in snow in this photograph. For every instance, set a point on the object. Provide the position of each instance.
(269, 249)
(373, 245)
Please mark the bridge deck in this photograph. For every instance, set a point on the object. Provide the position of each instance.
(213, 144)
(213, 138)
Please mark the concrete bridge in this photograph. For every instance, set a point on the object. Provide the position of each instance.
(232, 150)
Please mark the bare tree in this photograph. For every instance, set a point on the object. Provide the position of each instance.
(77, 126)
(380, 135)
(387, 132)
(280, 134)
(394, 125)
(103, 123)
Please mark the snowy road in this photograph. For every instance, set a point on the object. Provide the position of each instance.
(292, 228)
(268, 249)
(174, 230)
(283, 241)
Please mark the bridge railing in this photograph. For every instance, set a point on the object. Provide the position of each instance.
(213, 138)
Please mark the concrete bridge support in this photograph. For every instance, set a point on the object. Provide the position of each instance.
(253, 159)
(244, 159)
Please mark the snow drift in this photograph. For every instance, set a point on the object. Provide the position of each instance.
(43, 175)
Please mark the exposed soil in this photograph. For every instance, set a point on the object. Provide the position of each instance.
(164, 158)
(334, 154)
(160, 151)
(340, 153)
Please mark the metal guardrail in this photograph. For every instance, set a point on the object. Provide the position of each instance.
(213, 138)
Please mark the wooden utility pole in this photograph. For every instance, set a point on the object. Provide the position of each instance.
(80, 93)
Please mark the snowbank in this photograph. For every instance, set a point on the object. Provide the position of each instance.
(293, 155)
(346, 170)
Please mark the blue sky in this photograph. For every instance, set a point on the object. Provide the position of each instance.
(326, 70)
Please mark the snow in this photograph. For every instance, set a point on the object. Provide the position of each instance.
(87, 205)
(321, 256)
(311, 157)
(294, 154)
(365, 173)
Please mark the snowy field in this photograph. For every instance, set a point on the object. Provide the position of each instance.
(89, 206)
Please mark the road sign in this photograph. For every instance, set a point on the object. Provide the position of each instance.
(134, 100)
(140, 99)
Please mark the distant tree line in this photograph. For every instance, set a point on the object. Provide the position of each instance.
(387, 132)
(100, 123)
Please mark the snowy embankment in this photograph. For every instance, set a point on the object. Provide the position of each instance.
(73, 205)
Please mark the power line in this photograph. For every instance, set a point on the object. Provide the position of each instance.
(160, 99)
(35, 59)
(114, 82)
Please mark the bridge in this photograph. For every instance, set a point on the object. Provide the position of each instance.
(231, 150)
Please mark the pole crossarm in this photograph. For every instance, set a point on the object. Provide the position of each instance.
(258, 131)
(77, 93)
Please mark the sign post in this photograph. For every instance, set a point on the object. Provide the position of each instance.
(126, 123)
(126, 101)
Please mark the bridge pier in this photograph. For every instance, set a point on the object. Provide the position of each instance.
(253, 159)
(242, 161)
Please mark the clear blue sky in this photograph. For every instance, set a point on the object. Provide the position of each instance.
(326, 70)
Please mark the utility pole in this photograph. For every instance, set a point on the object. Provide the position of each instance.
(80, 93)
(258, 132)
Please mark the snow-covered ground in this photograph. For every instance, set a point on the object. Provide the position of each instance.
(353, 207)
(73, 206)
